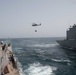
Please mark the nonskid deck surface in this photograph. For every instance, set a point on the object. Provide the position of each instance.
(14, 72)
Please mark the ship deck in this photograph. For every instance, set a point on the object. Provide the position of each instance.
(13, 72)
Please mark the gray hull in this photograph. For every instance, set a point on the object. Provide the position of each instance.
(69, 44)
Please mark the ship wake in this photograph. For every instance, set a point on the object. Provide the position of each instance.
(39, 69)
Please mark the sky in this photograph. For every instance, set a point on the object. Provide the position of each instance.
(17, 16)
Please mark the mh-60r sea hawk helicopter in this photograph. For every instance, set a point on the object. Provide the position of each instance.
(34, 24)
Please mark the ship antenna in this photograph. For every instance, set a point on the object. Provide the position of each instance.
(69, 22)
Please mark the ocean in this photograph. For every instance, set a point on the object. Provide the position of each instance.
(43, 56)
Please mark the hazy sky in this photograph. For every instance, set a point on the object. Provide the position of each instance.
(17, 16)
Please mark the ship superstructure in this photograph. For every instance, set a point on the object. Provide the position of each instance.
(70, 41)
(71, 33)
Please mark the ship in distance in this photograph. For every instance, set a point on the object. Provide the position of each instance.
(70, 41)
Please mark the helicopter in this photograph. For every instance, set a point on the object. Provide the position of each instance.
(34, 24)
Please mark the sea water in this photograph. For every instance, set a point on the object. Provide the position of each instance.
(43, 56)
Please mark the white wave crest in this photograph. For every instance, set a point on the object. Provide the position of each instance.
(61, 60)
(18, 48)
(39, 69)
(42, 45)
